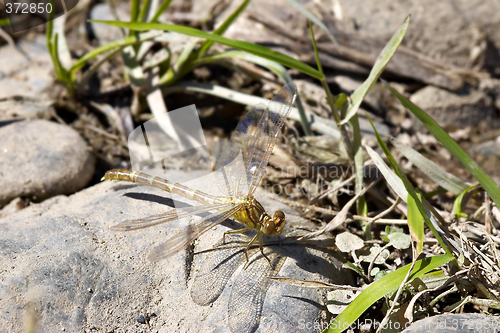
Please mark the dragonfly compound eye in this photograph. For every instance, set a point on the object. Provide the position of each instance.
(274, 226)
(279, 214)
(269, 228)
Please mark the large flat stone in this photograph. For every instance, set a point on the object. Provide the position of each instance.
(61, 264)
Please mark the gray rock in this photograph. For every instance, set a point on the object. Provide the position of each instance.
(61, 264)
(40, 159)
(459, 323)
(488, 148)
(448, 108)
(29, 70)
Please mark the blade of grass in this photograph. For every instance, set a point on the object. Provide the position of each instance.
(390, 176)
(331, 99)
(399, 187)
(411, 190)
(63, 53)
(176, 71)
(93, 69)
(457, 204)
(431, 169)
(60, 71)
(121, 43)
(322, 125)
(237, 44)
(144, 11)
(380, 288)
(134, 10)
(223, 27)
(488, 184)
(270, 65)
(160, 10)
(416, 225)
(313, 18)
(357, 150)
(379, 66)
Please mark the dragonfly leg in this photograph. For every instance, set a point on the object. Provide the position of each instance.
(248, 247)
(261, 247)
(239, 231)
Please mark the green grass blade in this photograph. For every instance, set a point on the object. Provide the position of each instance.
(4, 22)
(134, 10)
(488, 184)
(321, 125)
(205, 46)
(144, 11)
(164, 6)
(313, 18)
(431, 169)
(457, 204)
(357, 150)
(379, 66)
(237, 44)
(411, 191)
(416, 225)
(49, 30)
(117, 43)
(60, 71)
(390, 176)
(380, 288)
(316, 54)
(272, 66)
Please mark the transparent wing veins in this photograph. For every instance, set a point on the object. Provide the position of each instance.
(182, 239)
(171, 215)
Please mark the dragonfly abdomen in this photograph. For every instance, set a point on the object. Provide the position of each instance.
(163, 184)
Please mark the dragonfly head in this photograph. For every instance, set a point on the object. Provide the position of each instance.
(274, 226)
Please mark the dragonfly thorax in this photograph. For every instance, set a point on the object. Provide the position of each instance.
(254, 216)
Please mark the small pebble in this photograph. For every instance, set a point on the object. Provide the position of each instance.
(141, 319)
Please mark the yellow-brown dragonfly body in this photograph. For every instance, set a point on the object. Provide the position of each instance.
(255, 137)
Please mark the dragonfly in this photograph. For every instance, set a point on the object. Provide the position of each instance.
(253, 140)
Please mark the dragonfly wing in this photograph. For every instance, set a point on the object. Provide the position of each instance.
(249, 290)
(230, 169)
(257, 132)
(216, 269)
(182, 239)
(171, 215)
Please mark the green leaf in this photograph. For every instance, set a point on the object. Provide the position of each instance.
(416, 225)
(237, 44)
(431, 169)
(488, 184)
(399, 240)
(457, 204)
(379, 66)
(380, 288)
